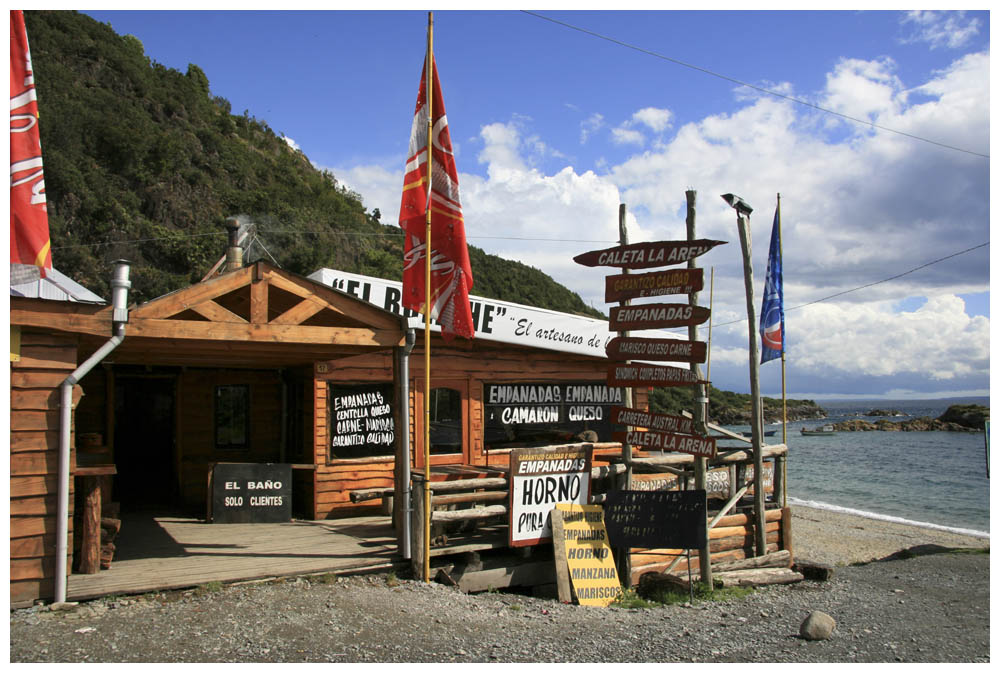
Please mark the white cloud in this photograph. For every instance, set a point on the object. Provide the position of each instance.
(940, 29)
(291, 143)
(863, 89)
(857, 208)
(589, 126)
(655, 118)
(627, 136)
(938, 340)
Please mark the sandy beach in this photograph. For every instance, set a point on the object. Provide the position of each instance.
(838, 538)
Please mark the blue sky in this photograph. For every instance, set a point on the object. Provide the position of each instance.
(554, 127)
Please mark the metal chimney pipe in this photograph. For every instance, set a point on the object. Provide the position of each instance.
(234, 254)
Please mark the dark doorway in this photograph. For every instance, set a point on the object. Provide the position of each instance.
(144, 442)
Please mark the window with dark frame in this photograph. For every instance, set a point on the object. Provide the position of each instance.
(446, 421)
(232, 417)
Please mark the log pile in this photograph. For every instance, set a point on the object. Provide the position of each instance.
(770, 568)
(111, 524)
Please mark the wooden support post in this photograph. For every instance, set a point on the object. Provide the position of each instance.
(780, 483)
(624, 555)
(743, 222)
(90, 524)
(701, 398)
(786, 531)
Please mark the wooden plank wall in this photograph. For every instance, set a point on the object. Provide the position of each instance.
(46, 361)
(477, 365)
(196, 443)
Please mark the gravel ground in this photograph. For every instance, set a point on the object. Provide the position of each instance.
(925, 608)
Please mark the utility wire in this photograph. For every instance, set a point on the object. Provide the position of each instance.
(751, 86)
(317, 233)
(878, 282)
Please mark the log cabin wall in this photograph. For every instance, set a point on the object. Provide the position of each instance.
(45, 362)
(196, 440)
(474, 364)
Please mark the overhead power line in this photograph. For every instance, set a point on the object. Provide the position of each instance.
(877, 282)
(751, 86)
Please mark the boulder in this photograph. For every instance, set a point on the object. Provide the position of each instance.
(817, 626)
(813, 570)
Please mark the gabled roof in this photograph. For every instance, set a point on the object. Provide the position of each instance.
(258, 316)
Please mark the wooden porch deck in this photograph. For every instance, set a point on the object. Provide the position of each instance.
(174, 552)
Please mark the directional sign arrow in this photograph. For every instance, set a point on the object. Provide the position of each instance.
(650, 375)
(665, 441)
(647, 255)
(653, 284)
(655, 316)
(658, 350)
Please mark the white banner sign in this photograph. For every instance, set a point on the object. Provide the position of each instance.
(493, 319)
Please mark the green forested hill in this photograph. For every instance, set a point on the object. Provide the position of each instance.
(142, 162)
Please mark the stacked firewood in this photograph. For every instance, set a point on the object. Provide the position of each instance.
(111, 524)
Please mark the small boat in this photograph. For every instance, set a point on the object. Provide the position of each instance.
(767, 433)
(824, 430)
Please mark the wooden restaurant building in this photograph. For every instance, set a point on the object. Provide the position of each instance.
(258, 366)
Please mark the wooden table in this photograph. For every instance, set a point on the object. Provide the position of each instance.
(89, 479)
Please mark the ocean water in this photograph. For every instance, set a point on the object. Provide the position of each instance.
(933, 479)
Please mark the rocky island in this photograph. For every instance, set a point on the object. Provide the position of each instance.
(957, 418)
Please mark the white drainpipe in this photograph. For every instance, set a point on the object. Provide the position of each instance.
(119, 316)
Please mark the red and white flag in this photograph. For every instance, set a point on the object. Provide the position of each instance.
(451, 273)
(29, 219)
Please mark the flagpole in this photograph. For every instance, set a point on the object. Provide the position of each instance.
(784, 404)
(429, 77)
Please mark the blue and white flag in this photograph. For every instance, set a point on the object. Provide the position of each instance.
(772, 310)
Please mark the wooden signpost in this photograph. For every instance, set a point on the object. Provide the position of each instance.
(667, 433)
(654, 284)
(631, 375)
(665, 441)
(668, 350)
(655, 316)
(647, 255)
(645, 419)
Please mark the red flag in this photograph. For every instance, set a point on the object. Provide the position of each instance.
(451, 273)
(29, 219)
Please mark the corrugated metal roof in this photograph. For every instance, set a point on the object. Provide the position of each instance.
(55, 286)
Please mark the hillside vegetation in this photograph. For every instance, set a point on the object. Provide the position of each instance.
(143, 162)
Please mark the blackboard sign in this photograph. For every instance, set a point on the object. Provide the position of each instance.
(657, 519)
(252, 493)
(549, 412)
(362, 420)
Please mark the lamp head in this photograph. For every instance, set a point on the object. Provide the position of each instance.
(741, 206)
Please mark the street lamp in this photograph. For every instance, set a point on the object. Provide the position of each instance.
(743, 211)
